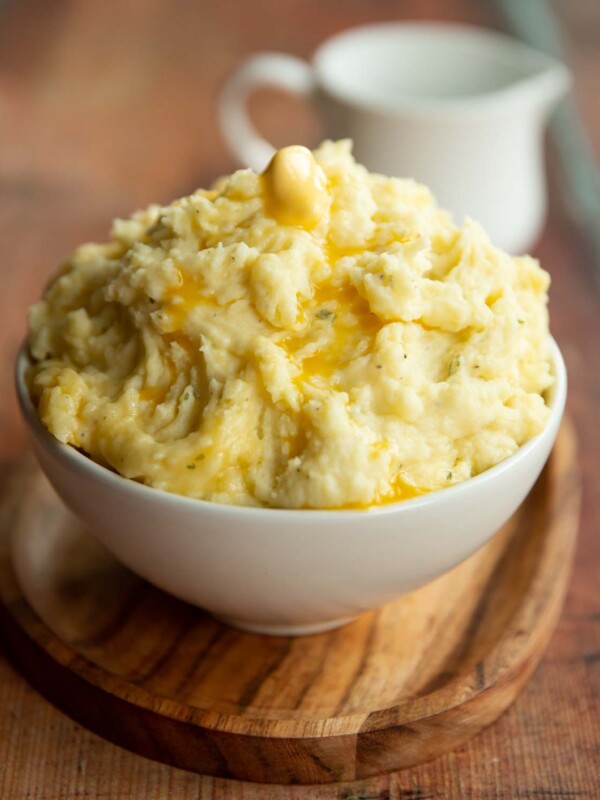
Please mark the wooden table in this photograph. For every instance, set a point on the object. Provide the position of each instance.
(108, 106)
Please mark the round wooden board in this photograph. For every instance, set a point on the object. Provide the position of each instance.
(395, 688)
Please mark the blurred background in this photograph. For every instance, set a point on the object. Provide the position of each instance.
(108, 106)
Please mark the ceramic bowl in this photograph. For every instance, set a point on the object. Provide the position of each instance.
(289, 572)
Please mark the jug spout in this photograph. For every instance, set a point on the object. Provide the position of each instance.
(551, 86)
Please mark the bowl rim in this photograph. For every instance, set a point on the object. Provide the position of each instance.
(77, 460)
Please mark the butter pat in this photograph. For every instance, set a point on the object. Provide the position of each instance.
(295, 188)
(313, 337)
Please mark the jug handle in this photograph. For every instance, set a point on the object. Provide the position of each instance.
(278, 70)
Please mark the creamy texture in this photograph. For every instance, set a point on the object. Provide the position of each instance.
(316, 337)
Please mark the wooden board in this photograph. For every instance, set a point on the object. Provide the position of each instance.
(393, 689)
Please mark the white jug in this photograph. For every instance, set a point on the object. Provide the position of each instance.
(458, 108)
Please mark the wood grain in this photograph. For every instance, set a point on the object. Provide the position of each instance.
(396, 688)
(107, 106)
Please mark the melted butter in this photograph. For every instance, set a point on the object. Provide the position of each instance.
(353, 328)
(295, 188)
(400, 491)
(180, 300)
(158, 394)
(335, 253)
(183, 341)
(154, 394)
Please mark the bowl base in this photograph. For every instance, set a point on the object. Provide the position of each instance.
(298, 629)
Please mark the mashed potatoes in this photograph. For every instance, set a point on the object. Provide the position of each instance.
(318, 337)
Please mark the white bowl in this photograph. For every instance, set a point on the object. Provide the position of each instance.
(289, 572)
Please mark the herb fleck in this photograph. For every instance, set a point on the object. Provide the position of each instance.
(191, 466)
(325, 313)
(521, 321)
(449, 476)
(200, 457)
(454, 365)
(378, 366)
